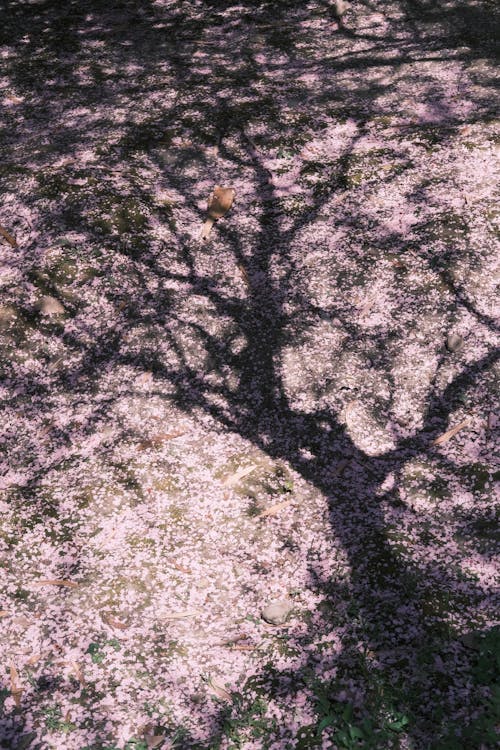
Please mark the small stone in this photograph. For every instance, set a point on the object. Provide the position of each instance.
(276, 613)
(50, 306)
(454, 342)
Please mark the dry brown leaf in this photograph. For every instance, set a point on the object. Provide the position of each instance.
(235, 478)
(6, 235)
(14, 676)
(450, 433)
(219, 203)
(217, 689)
(144, 378)
(155, 740)
(13, 99)
(15, 689)
(114, 623)
(21, 620)
(162, 437)
(56, 582)
(273, 510)
(34, 660)
(244, 274)
(17, 695)
(4, 613)
(182, 615)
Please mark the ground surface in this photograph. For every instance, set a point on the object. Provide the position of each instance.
(159, 395)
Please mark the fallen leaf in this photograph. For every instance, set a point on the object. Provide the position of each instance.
(56, 582)
(4, 613)
(34, 659)
(144, 378)
(182, 615)
(6, 235)
(114, 623)
(155, 740)
(450, 433)
(219, 203)
(14, 676)
(273, 510)
(21, 620)
(13, 99)
(15, 689)
(235, 478)
(243, 647)
(162, 437)
(244, 274)
(220, 691)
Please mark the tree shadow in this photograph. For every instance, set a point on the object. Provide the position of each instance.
(398, 605)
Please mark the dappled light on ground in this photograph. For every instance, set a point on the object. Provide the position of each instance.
(298, 411)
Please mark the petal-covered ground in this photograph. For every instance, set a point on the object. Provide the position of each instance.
(300, 409)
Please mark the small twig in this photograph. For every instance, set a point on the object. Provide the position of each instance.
(244, 274)
(450, 433)
(233, 479)
(275, 509)
(56, 582)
